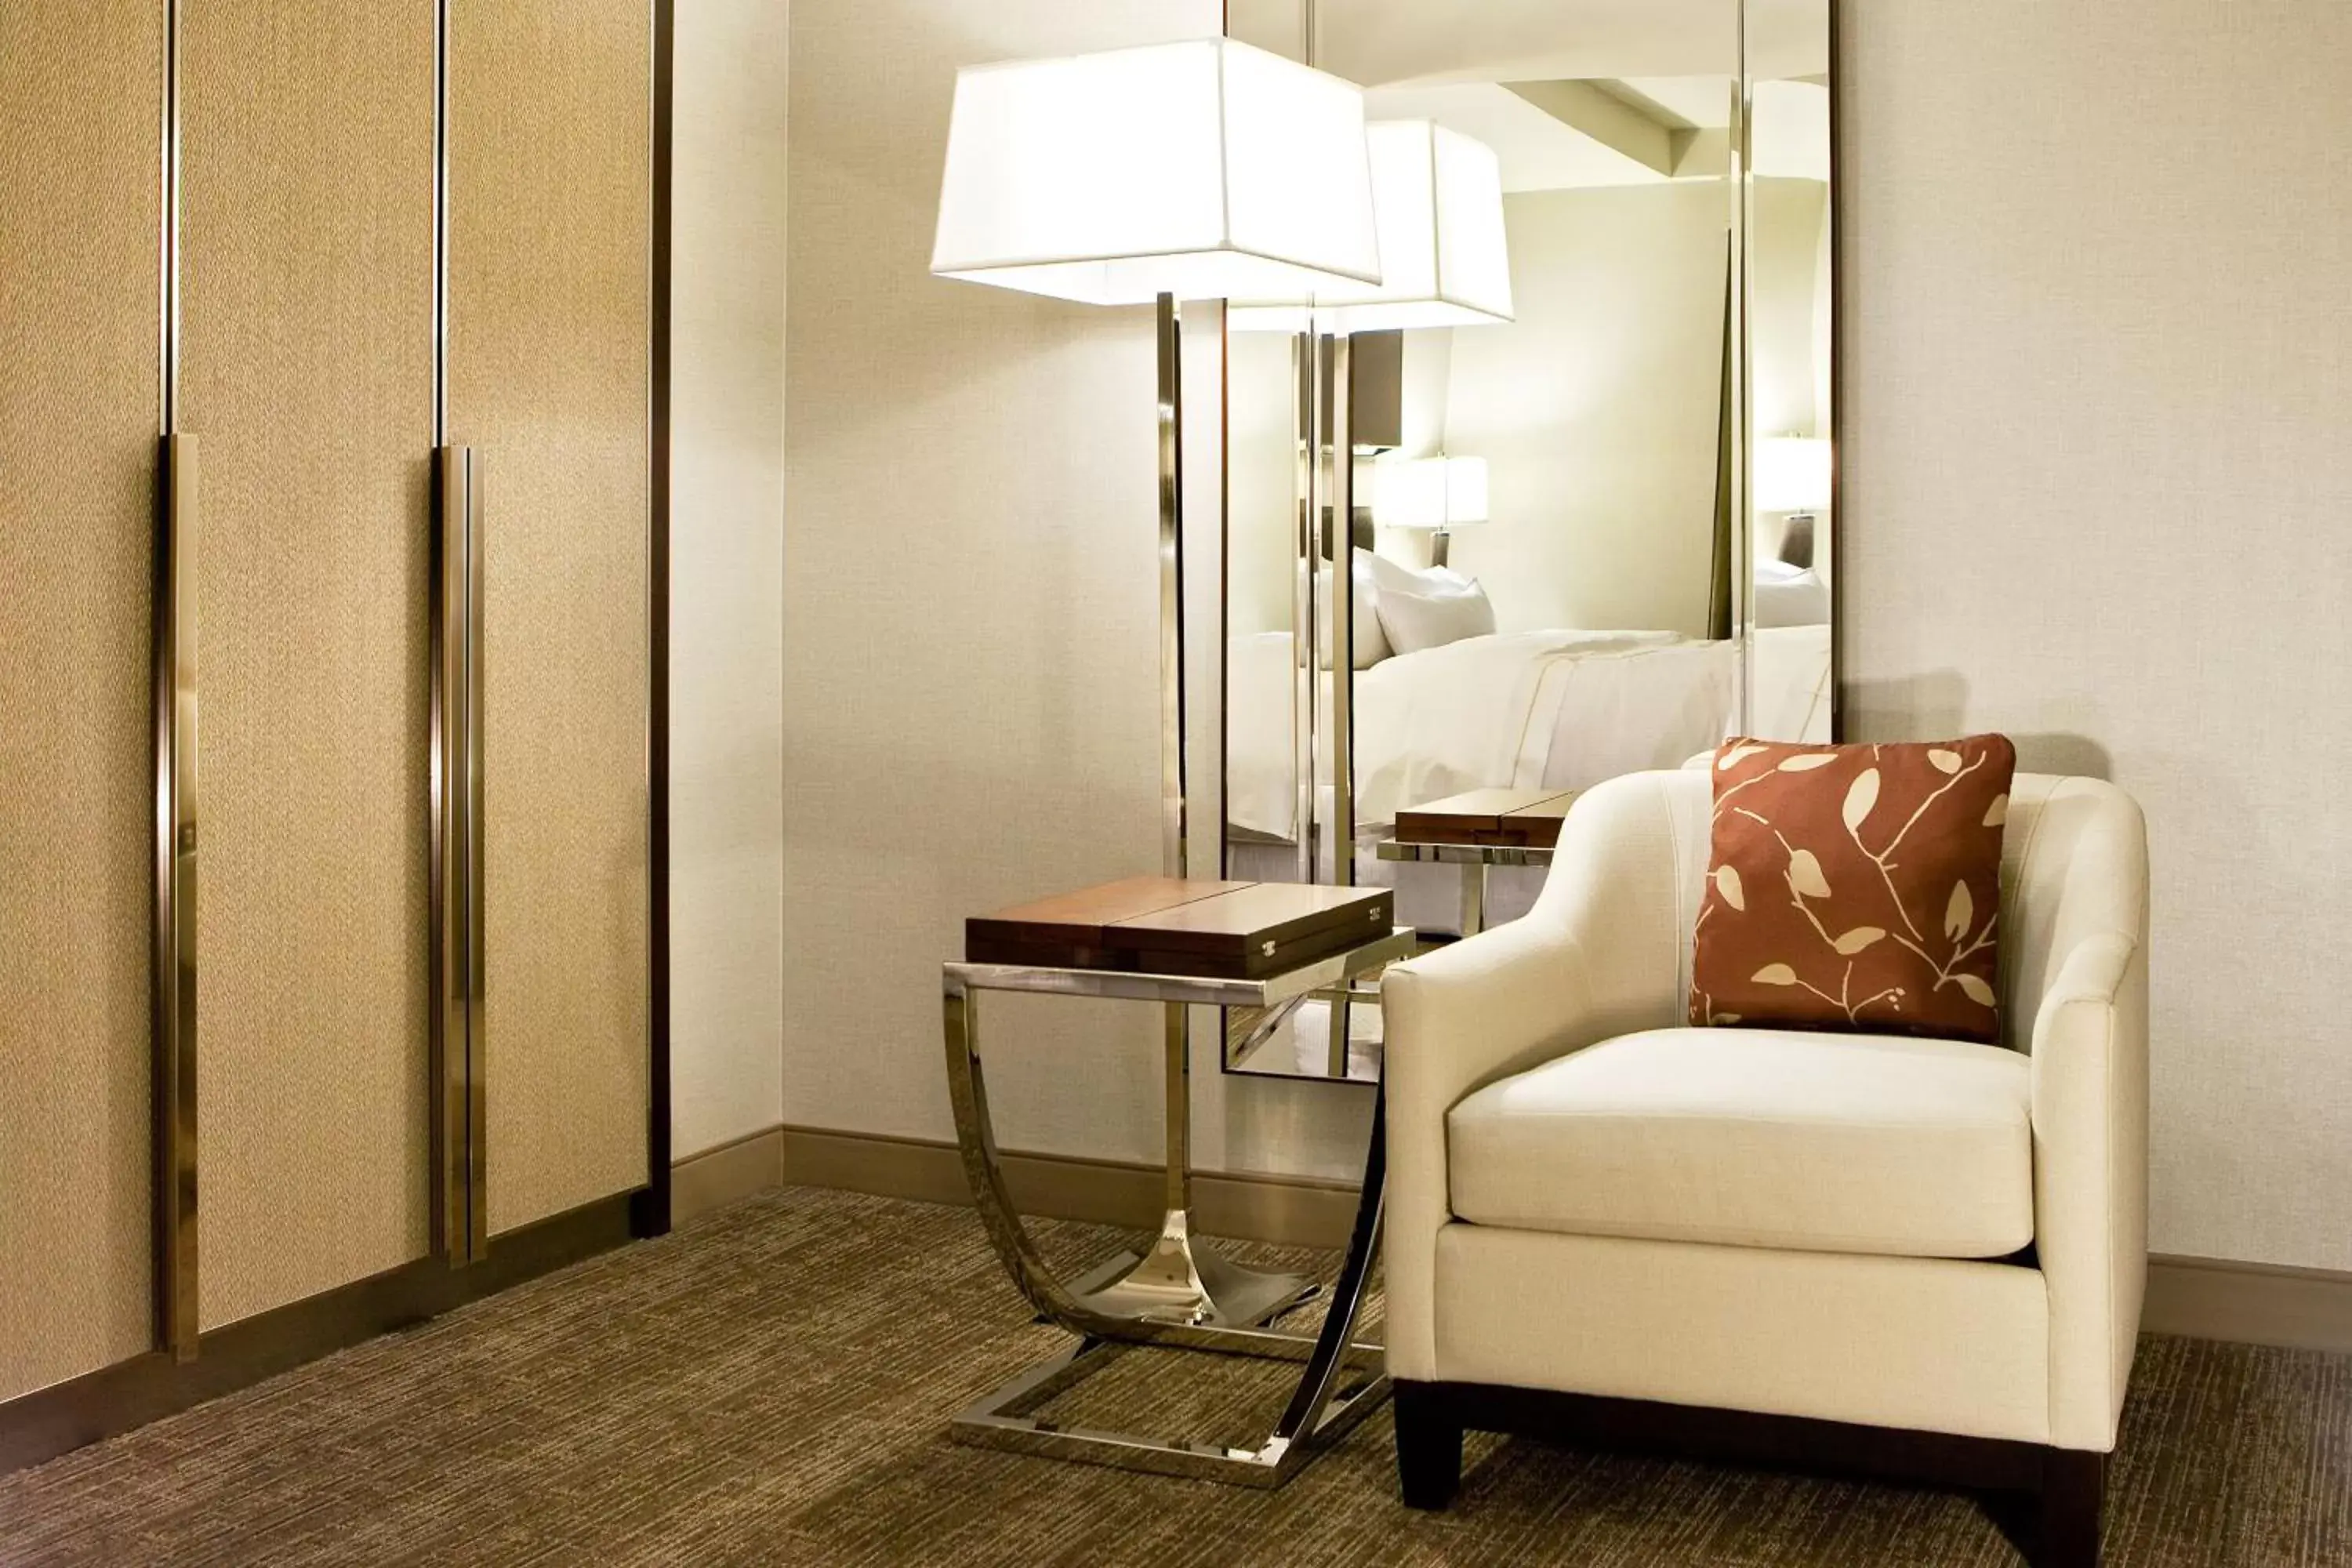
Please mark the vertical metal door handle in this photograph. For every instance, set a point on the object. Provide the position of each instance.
(174, 977)
(460, 1189)
(477, 1171)
(450, 954)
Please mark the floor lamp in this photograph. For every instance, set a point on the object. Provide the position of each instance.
(1200, 170)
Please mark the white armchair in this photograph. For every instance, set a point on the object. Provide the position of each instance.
(1909, 1257)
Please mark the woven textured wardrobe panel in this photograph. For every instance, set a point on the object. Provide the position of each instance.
(308, 161)
(81, 162)
(551, 151)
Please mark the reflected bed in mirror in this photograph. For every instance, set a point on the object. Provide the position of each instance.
(1563, 558)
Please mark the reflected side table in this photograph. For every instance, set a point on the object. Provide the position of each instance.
(1176, 944)
(1478, 830)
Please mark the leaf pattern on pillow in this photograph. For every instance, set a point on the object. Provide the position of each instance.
(1855, 887)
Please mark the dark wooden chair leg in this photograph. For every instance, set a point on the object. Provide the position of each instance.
(1429, 1448)
(2074, 1485)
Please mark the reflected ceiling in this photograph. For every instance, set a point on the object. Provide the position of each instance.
(1576, 93)
(1380, 43)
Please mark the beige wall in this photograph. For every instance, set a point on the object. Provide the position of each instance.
(727, 553)
(1786, 260)
(1790, 346)
(970, 590)
(2098, 365)
(1262, 495)
(1597, 409)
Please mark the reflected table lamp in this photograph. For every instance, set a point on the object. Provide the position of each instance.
(1198, 170)
(1792, 477)
(1435, 493)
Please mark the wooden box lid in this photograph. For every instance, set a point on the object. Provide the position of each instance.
(1521, 818)
(1163, 926)
(1080, 916)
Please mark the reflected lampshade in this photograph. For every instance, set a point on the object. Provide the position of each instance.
(1428, 492)
(1437, 196)
(1792, 473)
(1205, 169)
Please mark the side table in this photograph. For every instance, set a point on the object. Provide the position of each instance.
(1478, 830)
(1182, 1293)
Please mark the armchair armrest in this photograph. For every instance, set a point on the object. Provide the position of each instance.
(1602, 953)
(2090, 1178)
(1453, 1020)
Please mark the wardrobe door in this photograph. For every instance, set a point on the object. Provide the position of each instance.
(80, 249)
(309, 169)
(550, 227)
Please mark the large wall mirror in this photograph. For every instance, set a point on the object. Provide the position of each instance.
(1555, 502)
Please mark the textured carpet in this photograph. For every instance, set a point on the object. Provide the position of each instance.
(770, 1385)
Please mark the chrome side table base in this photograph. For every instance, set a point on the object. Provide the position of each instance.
(1180, 1293)
(1475, 859)
(1184, 1281)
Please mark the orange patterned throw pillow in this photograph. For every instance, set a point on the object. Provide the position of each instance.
(1855, 888)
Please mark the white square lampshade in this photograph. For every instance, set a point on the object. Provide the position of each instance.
(1792, 473)
(1438, 195)
(1428, 492)
(1205, 169)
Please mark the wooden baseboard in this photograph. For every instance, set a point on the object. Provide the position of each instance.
(65, 1415)
(716, 1177)
(2199, 1297)
(2253, 1303)
(1289, 1210)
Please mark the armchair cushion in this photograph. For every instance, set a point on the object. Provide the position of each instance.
(1827, 1142)
(1855, 888)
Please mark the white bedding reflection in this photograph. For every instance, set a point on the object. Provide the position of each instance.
(1542, 709)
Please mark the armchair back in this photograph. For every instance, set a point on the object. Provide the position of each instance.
(1630, 872)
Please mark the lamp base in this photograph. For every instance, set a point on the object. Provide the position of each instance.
(1797, 541)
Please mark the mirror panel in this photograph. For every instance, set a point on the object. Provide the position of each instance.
(1790, 244)
(1527, 538)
